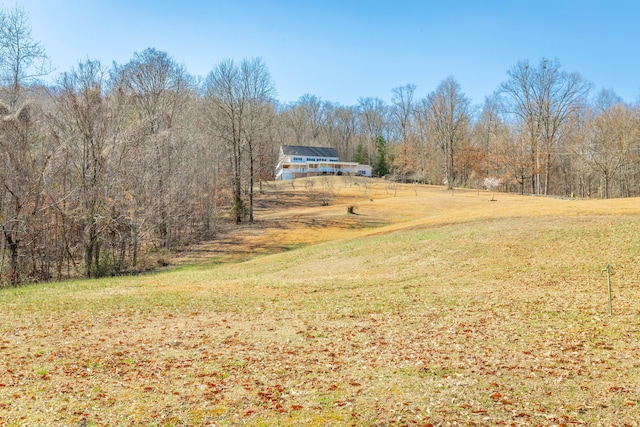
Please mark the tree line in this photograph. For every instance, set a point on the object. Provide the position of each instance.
(110, 163)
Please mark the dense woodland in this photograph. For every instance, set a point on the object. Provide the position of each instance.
(110, 163)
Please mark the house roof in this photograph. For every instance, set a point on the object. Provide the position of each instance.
(300, 150)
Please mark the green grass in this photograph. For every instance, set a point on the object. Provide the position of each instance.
(488, 318)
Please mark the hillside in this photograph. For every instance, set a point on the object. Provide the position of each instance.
(424, 308)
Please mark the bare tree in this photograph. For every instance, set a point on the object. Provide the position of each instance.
(310, 120)
(312, 109)
(605, 99)
(160, 89)
(512, 154)
(84, 127)
(449, 118)
(294, 125)
(240, 99)
(372, 123)
(402, 112)
(608, 147)
(489, 131)
(21, 60)
(346, 124)
(259, 91)
(425, 151)
(544, 98)
(22, 173)
(226, 104)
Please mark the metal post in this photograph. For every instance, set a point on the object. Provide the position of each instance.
(608, 270)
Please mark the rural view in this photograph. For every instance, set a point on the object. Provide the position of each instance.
(154, 272)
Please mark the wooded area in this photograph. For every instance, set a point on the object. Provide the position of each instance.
(110, 163)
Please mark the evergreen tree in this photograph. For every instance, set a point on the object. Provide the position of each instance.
(381, 167)
(361, 155)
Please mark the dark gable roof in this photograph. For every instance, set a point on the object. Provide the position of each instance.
(299, 150)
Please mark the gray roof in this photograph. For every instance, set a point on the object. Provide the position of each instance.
(300, 150)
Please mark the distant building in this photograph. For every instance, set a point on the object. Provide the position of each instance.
(364, 170)
(296, 161)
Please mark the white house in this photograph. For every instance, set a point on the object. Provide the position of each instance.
(296, 161)
(364, 170)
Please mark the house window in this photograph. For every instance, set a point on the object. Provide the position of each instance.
(297, 159)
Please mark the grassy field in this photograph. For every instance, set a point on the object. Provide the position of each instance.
(426, 308)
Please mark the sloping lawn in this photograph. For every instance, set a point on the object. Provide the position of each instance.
(425, 309)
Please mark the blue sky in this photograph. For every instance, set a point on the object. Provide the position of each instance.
(340, 50)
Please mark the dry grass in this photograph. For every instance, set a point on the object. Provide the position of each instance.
(425, 308)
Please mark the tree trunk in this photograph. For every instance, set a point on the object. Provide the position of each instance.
(89, 250)
(547, 171)
(251, 172)
(14, 278)
(238, 205)
(134, 224)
